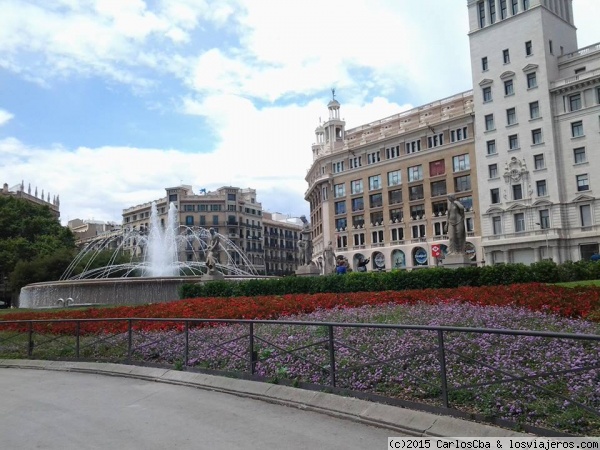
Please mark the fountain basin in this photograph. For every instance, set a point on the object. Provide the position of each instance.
(108, 291)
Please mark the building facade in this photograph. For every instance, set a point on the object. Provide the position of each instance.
(281, 235)
(537, 104)
(19, 191)
(518, 150)
(379, 191)
(235, 214)
(96, 234)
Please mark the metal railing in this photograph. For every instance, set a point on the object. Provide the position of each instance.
(330, 356)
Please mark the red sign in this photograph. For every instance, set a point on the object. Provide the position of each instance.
(436, 250)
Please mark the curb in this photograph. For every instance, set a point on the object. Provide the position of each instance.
(405, 421)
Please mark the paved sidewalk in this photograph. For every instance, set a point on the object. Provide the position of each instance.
(402, 421)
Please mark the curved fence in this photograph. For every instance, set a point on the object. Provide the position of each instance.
(544, 382)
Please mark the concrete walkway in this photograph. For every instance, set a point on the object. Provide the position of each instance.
(390, 420)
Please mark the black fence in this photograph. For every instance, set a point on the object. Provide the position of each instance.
(544, 382)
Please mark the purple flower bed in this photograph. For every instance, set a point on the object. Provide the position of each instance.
(404, 363)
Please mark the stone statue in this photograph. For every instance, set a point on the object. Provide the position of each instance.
(305, 243)
(212, 251)
(329, 257)
(455, 227)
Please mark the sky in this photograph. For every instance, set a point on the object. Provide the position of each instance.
(108, 102)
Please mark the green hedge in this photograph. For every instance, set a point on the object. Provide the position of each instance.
(541, 272)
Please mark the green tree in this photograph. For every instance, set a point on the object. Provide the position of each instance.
(30, 233)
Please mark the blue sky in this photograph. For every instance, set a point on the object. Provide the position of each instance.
(107, 102)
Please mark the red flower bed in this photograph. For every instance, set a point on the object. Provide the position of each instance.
(581, 302)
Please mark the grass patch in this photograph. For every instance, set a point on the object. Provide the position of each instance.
(572, 284)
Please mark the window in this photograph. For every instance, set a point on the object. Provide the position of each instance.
(514, 7)
(497, 225)
(356, 187)
(528, 48)
(585, 213)
(513, 142)
(481, 14)
(189, 220)
(462, 184)
(579, 155)
(491, 147)
(438, 188)
(551, 47)
(394, 178)
(577, 129)
(461, 162)
(376, 200)
(435, 140)
(392, 152)
(531, 80)
(493, 170)
(342, 241)
(503, 9)
(340, 207)
(574, 102)
(484, 64)
(356, 162)
(495, 195)
(489, 122)
(375, 182)
(517, 190)
(467, 202)
(359, 239)
(418, 231)
(492, 6)
(377, 236)
(439, 208)
(506, 56)
(487, 94)
(511, 116)
(417, 211)
(338, 166)
(525, 5)
(582, 182)
(395, 196)
(415, 173)
(519, 222)
(534, 110)
(437, 168)
(397, 235)
(579, 70)
(396, 215)
(415, 192)
(509, 87)
(541, 188)
(458, 134)
(373, 158)
(377, 218)
(413, 146)
(358, 221)
(215, 220)
(358, 204)
(339, 190)
(538, 162)
(544, 219)
(536, 136)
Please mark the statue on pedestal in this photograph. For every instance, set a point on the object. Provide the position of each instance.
(455, 227)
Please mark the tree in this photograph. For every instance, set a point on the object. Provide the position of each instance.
(30, 232)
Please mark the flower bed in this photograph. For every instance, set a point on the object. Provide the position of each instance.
(581, 302)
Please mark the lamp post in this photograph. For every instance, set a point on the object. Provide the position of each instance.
(546, 232)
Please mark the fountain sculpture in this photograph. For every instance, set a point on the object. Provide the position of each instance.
(154, 272)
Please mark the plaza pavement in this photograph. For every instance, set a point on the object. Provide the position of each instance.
(395, 420)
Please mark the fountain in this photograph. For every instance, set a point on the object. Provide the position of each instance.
(152, 275)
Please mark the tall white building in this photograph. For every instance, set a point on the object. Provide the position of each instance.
(537, 120)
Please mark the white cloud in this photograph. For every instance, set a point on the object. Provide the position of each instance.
(5, 116)
(266, 149)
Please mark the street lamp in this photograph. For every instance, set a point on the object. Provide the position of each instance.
(546, 232)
